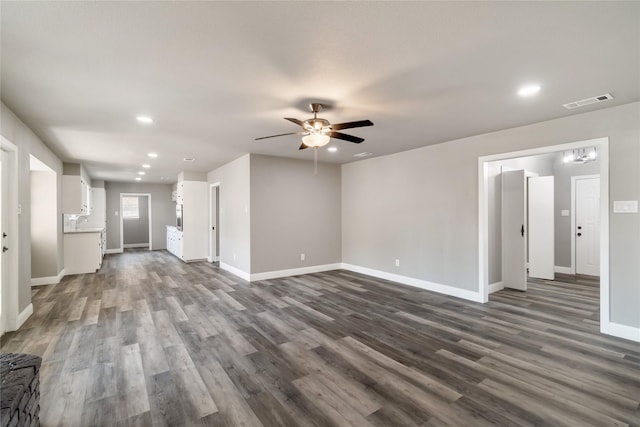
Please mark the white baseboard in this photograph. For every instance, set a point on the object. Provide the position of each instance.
(22, 317)
(621, 331)
(495, 287)
(215, 259)
(233, 270)
(135, 245)
(418, 283)
(294, 271)
(563, 270)
(51, 280)
(113, 251)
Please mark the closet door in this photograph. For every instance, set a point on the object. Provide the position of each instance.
(514, 274)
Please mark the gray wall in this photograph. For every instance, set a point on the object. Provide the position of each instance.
(294, 211)
(16, 132)
(136, 231)
(163, 211)
(235, 206)
(44, 222)
(422, 205)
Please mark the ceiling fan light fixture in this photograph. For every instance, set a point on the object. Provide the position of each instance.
(316, 140)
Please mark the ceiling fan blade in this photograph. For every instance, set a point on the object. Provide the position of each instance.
(296, 121)
(350, 138)
(303, 147)
(273, 136)
(349, 125)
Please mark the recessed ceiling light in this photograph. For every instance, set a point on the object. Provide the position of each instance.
(188, 159)
(529, 90)
(141, 172)
(144, 119)
(332, 149)
(153, 155)
(146, 166)
(138, 178)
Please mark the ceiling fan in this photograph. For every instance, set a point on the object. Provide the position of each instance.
(317, 132)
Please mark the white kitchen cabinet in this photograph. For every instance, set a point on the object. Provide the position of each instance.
(76, 195)
(175, 241)
(180, 192)
(83, 251)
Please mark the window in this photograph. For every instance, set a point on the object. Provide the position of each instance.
(130, 207)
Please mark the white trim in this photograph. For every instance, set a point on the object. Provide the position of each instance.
(113, 251)
(495, 287)
(623, 331)
(216, 259)
(51, 280)
(561, 269)
(295, 271)
(573, 217)
(10, 299)
(483, 223)
(136, 245)
(418, 283)
(148, 195)
(233, 270)
(23, 316)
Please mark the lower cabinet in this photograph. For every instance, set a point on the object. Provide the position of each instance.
(83, 252)
(175, 242)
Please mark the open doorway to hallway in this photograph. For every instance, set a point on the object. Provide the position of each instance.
(135, 221)
(564, 237)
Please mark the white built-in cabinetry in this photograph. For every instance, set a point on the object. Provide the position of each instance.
(192, 242)
(174, 241)
(76, 195)
(83, 251)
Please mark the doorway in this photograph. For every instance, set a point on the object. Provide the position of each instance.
(136, 221)
(602, 146)
(214, 223)
(44, 223)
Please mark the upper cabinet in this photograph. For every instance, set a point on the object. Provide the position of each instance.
(76, 191)
(76, 195)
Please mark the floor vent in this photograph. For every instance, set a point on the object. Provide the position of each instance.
(588, 101)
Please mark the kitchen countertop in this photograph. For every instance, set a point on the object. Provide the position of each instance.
(85, 230)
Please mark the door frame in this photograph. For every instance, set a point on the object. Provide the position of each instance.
(214, 189)
(602, 145)
(13, 319)
(148, 195)
(573, 218)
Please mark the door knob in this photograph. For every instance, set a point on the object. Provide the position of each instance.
(522, 230)
(4, 249)
(579, 227)
(579, 234)
(4, 235)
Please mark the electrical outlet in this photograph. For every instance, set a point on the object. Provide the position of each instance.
(397, 263)
(234, 256)
(301, 257)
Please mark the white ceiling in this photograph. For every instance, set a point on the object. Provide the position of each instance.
(215, 75)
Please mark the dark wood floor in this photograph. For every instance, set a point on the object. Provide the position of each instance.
(149, 340)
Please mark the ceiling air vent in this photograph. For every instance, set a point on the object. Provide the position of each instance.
(588, 101)
(363, 154)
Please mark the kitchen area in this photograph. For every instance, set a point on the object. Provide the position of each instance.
(84, 220)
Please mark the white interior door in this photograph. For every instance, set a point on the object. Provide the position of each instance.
(514, 274)
(541, 227)
(587, 232)
(3, 282)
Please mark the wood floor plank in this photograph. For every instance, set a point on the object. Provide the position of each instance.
(150, 340)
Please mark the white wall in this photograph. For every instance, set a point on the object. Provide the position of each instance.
(422, 205)
(16, 132)
(235, 217)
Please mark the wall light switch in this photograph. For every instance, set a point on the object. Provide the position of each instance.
(116, 213)
(301, 257)
(625, 206)
(397, 263)
(564, 212)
